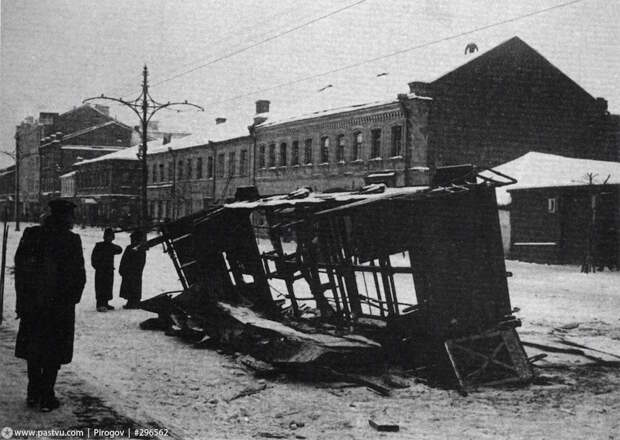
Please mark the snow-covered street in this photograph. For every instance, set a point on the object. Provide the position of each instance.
(148, 376)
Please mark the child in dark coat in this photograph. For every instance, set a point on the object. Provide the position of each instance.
(102, 260)
(131, 267)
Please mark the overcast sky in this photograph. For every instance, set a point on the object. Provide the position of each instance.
(55, 53)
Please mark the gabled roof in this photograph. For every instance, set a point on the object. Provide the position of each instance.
(94, 109)
(129, 153)
(542, 170)
(512, 58)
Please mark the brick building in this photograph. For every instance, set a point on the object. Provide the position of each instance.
(105, 188)
(511, 100)
(191, 173)
(83, 133)
(7, 191)
(28, 135)
(343, 147)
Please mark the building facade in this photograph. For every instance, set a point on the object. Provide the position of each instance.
(28, 135)
(195, 172)
(511, 100)
(7, 191)
(344, 148)
(561, 224)
(83, 133)
(106, 189)
(47, 147)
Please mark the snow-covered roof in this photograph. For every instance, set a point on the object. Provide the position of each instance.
(542, 170)
(212, 133)
(271, 120)
(67, 175)
(129, 153)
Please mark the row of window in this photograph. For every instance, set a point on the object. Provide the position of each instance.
(185, 169)
(268, 157)
(103, 178)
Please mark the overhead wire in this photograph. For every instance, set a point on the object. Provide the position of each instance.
(399, 52)
(237, 31)
(261, 42)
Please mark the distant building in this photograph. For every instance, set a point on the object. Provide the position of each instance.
(554, 210)
(83, 133)
(7, 191)
(106, 188)
(195, 172)
(28, 136)
(344, 148)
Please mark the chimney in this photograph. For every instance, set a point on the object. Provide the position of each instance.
(262, 106)
(601, 104)
(105, 109)
(167, 138)
(46, 118)
(219, 121)
(420, 88)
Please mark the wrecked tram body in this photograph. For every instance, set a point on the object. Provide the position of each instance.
(345, 282)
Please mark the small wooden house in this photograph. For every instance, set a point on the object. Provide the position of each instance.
(562, 209)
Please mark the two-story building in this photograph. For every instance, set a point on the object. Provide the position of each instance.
(106, 188)
(345, 147)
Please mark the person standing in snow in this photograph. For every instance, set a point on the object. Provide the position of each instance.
(131, 267)
(102, 260)
(49, 280)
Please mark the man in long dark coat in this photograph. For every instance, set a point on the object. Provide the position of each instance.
(49, 279)
(102, 260)
(131, 267)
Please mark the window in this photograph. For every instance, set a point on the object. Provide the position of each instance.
(283, 154)
(189, 169)
(199, 168)
(180, 170)
(243, 165)
(162, 173)
(210, 167)
(261, 156)
(308, 151)
(324, 149)
(375, 143)
(295, 153)
(154, 177)
(272, 155)
(171, 170)
(358, 142)
(220, 165)
(232, 163)
(397, 140)
(552, 205)
(340, 144)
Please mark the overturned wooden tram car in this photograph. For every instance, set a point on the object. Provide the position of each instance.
(413, 276)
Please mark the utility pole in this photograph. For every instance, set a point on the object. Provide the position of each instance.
(174, 183)
(16, 207)
(144, 106)
(15, 157)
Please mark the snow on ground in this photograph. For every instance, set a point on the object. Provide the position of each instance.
(193, 391)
